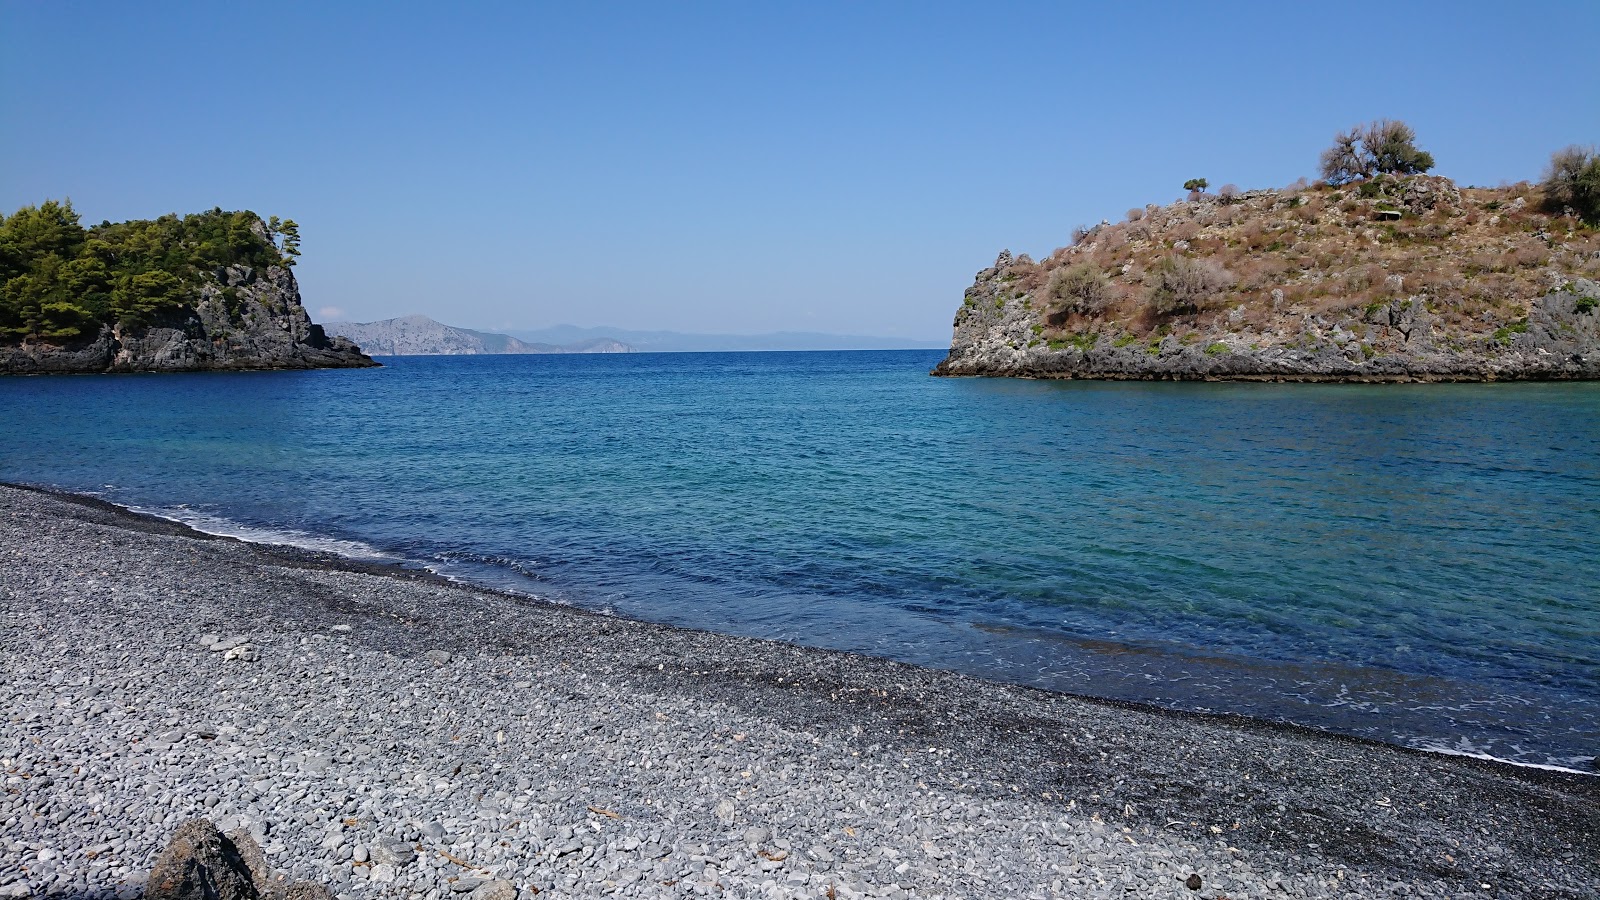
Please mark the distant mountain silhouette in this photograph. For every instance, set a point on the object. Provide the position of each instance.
(677, 341)
(422, 336)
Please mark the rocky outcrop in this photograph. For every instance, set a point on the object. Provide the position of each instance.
(422, 336)
(245, 319)
(997, 332)
(201, 863)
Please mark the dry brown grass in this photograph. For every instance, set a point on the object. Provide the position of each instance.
(1324, 251)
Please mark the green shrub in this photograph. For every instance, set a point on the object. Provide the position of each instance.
(1503, 334)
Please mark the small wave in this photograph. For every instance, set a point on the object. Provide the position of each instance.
(281, 537)
(1471, 752)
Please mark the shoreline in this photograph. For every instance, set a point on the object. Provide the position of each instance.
(1031, 374)
(381, 563)
(1312, 807)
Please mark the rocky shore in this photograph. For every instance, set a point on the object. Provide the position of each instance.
(999, 335)
(384, 733)
(248, 319)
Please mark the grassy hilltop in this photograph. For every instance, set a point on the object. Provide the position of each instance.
(1377, 259)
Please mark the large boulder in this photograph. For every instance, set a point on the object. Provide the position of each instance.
(201, 863)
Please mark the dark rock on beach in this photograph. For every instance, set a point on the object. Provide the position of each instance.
(201, 863)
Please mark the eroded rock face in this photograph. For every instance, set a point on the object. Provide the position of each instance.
(203, 864)
(250, 320)
(996, 334)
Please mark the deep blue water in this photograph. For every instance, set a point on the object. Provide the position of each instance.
(1415, 564)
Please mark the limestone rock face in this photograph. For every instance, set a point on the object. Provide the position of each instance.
(248, 319)
(995, 333)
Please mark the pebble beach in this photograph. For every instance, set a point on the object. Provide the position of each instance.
(388, 733)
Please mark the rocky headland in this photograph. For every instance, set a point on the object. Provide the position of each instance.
(379, 732)
(246, 319)
(209, 291)
(1391, 279)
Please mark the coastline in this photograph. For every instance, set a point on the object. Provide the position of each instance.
(344, 551)
(1247, 804)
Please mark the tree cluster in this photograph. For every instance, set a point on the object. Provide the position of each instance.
(60, 281)
(1384, 147)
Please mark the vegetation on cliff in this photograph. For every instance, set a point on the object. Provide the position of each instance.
(1352, 262)
(60, 282)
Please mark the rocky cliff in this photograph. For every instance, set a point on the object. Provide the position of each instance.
(1405, 280)
(422, 336)
(245, 319)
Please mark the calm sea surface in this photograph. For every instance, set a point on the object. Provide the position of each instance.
(1416, 564)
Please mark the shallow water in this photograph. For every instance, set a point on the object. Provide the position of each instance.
(1412, 563)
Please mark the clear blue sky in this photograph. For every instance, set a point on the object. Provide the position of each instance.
(739, 167)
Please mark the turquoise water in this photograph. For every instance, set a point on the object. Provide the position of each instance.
(1414, 564)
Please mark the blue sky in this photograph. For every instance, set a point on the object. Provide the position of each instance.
(739, 167)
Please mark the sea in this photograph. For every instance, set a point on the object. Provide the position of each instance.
(1415, 564)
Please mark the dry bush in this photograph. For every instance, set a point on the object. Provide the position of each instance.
(1493, 289)
(1228, 193)
(1135, 214)
(1527, 254)
(1257, 273)
(1178, 284)
(1362, 279)
(1183, 231)
(1079, 288)
(1480, 262)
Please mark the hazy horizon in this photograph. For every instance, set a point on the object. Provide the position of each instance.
(732, 169)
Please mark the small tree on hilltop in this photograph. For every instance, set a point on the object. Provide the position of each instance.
(1377, 148)
(1393, 145)
(1572, 181)
(1196, 185)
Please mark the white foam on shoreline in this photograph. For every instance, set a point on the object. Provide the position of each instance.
(278, 537)
(1487, 757)
(359, 550)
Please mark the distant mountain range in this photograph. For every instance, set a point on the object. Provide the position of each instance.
(422, 336)
(676, 341)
